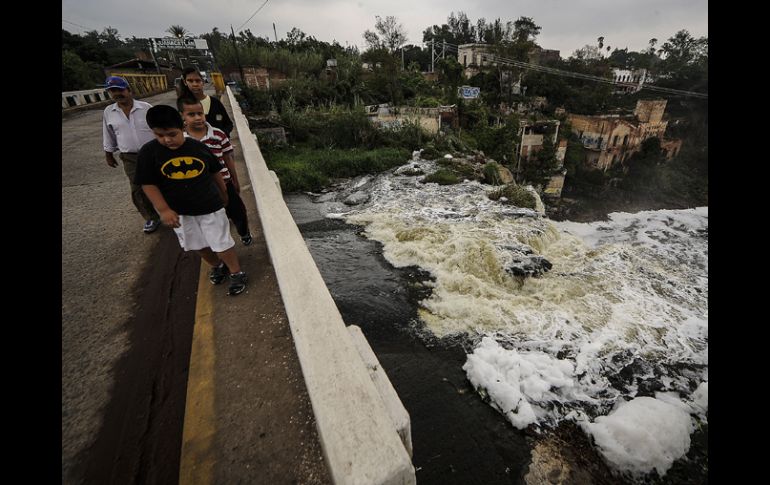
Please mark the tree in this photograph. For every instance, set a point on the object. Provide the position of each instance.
(177, 31)
(587, 53)
(295, 37)
(110, 38)
(683, 49)
(76, 74)
(651, 49)
(390, 34)
(525, 30)
(496, 32)
(463, 32)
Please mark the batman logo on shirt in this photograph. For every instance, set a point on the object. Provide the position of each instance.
(183, 168)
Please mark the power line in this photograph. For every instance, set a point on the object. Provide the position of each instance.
(577, 75)
(73, 23)
(252, 15)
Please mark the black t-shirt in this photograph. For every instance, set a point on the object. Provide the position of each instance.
(185, 176)
(218, 118)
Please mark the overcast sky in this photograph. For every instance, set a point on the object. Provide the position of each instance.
(566, 24)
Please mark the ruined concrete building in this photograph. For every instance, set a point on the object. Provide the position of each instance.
(432, 120)
(632, 79)
(611, 139)
(473, 57)
(258, 77)
(533, 134)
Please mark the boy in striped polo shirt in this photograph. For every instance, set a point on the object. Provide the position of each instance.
(217, 141)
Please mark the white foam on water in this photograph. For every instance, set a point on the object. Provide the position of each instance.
(643, 434)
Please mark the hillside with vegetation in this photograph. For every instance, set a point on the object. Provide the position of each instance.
(330, 135)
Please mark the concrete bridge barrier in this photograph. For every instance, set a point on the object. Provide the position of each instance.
(71, 99)
(356, 430)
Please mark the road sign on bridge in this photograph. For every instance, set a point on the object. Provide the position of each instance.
(176, 43)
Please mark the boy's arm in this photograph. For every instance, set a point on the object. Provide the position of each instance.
(230, 164)
(220, 182)
(167, 215)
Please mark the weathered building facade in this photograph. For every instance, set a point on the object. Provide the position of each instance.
(610, 139)
(258, 77)
(432, 120)
(533, 135)
(632, 79)
(473, 57)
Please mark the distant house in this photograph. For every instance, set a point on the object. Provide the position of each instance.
(540, 56)
(612, 138)
(263, 78)
(473, 57)
(632, 79)
(432, 120)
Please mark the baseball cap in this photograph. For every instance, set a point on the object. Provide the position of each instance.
(116, 82)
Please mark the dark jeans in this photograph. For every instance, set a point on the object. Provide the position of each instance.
(236, 210)
(141, 202)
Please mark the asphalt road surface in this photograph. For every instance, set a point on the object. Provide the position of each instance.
(125, 335)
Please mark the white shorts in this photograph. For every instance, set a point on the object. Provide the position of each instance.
(205, 231)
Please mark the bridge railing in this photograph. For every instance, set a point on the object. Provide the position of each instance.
(356, 430)
(70, 99)
(145, 84)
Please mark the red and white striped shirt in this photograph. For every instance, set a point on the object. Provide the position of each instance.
(219, 144)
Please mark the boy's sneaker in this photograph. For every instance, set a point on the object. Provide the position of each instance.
(246, 240)
(151, 226)
(237, 283)
(218, 274)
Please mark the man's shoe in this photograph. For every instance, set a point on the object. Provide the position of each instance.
(237, 283)
(218, 274)
(246, 240)
(151, 226)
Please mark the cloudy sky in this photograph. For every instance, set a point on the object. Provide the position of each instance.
(566, 24)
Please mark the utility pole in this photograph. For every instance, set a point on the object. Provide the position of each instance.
(237, 57)
(443, 49)
(402, 58)
(431, 57)
(152, 53)
(275, 33)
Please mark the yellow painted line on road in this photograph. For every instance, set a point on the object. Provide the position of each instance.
(197, 461)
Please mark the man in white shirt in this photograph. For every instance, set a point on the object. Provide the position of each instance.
(124, 129)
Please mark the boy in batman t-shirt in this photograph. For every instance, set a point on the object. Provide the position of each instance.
(181, 178)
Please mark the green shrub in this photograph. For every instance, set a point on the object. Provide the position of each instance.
(442, 177)
(516, 195)
(429, 152)
(310, 169)
(491, 173)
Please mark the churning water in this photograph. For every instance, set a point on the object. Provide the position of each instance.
(566, 320)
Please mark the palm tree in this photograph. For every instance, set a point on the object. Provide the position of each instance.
(177, 31)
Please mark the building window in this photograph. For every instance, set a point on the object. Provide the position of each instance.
(625, 140)
(615, 141)
(599, 142)
(465, 60)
